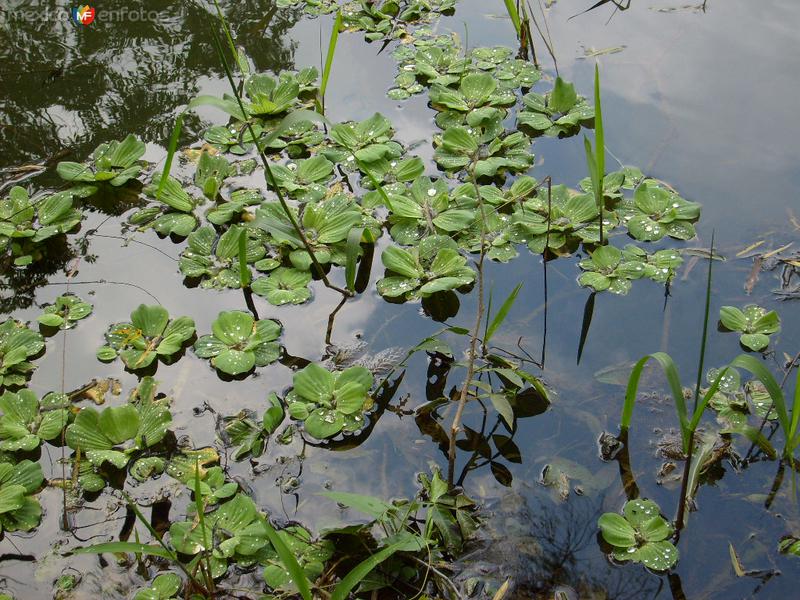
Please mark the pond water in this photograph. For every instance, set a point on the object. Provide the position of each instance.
(700, 96)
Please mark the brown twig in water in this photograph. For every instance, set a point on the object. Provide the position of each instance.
(473, 344)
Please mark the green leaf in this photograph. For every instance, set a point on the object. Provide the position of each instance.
(401, 262)
(234, 362)
(314, 383)
(755, 341)
(733, 318)
(288, 559)
(374, 507)
(501, 315)
(563, 97)
(323, 423)
(616, 530)
(119, 423)
(152, 320)
(131, 547)
(233, 327)
(352, 249)
(360, 571)
(459, 141)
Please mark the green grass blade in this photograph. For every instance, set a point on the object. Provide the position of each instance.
(173, 144)
(131, 547)
(502, 313)
(671, 372)
(244, 271)
(351, 254)
(591, 164)
(707, 310)
(488, 312)
(289, 561)
(326, 72)
(748, 363)
(227, 106)
(599, 139)
(514, 14)
(793, 433)
(362, 569)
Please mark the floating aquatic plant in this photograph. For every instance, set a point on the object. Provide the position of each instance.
(239, 342)
(115, 163)
(311, 555)
(573, 218)
(460, 146)
(235, 207)
(640, 535)
(165, 586)
(211, 172)
(172, 214)
(26, 422)
(17, 344)
(330, 402)
(434, 266)
(560, 112)
(214, 260)
(605, 269)
(65, 312)
(305, 179)
(656, 212)
(753, 322)
(24, 225)
(284, 286)
(19, 509)
(251, 436)
(117, 434)
(149, 334)
(234, 531)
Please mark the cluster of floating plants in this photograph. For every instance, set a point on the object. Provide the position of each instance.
(331, 193)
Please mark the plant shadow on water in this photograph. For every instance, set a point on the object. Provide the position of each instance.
(394, 419)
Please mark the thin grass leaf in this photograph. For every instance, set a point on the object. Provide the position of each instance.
(488, 312)
(351, 252)
(794, 435)
(599, 139)
(173, 144)
(362, 569)
(706, 313)
(501, 315)
(200, 508)
(244, 271)
(749, 363)
(289, 561)
(226, 106)
(512, 12)
(326, 72)
(671, 372)
(115, 547)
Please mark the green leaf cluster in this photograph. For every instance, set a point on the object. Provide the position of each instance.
(18, 343)
(238, 343)
(26, 422)
(640, 535)
(434, 266)
(65, 312)
(328, 402)
(114, 163)
(753, 322)
(25, 225)
(149, 334)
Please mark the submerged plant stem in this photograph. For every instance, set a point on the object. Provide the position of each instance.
(269, 176)
(455, 427)
(680, 516)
